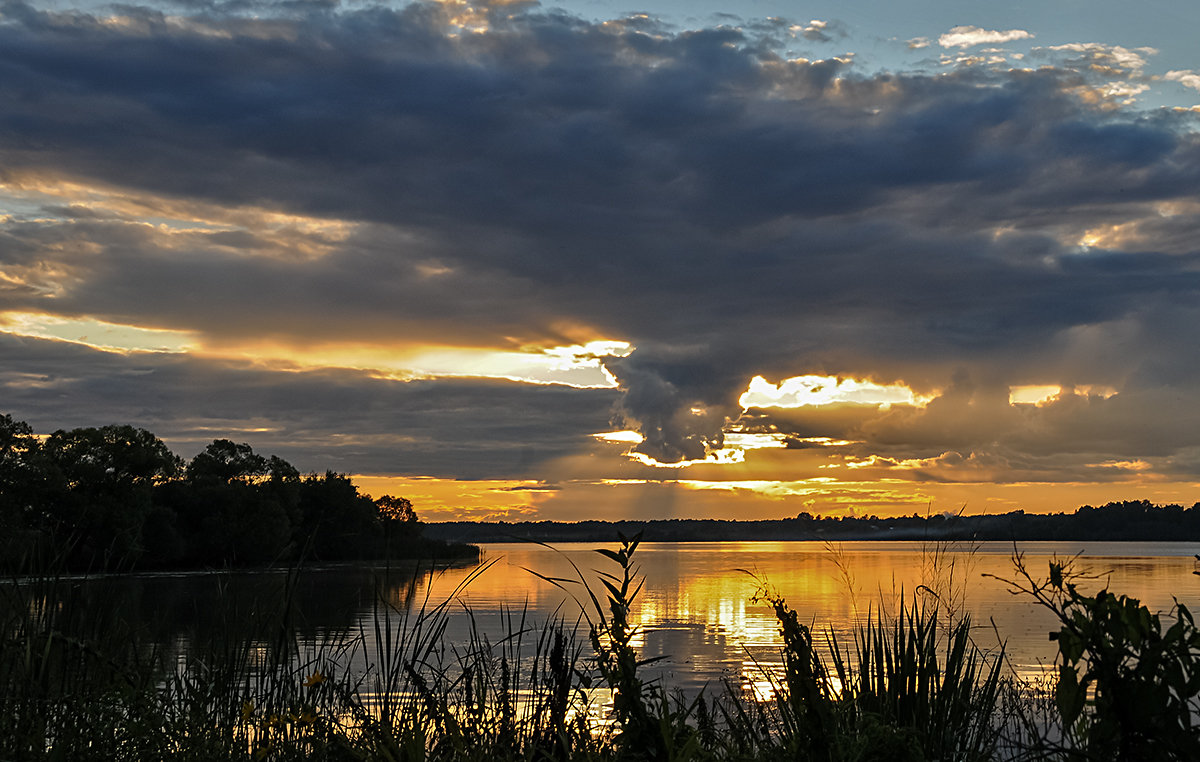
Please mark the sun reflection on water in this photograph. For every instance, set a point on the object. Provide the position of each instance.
(698, 611)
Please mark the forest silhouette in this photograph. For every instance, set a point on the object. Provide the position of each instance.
(1133, 520)
(116, 498)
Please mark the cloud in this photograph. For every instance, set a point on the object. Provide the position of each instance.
(971, 433)
(1185, 77)
(969, 36)
(319, 419)
(1108, 59)
(819, 31)
(376, 179)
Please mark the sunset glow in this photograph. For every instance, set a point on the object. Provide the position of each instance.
(577, 366)
(522, 261)
(800, 391)
(95, 333)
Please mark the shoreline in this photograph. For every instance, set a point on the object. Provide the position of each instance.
(1130, 521)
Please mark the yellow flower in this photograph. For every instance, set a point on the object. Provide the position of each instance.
(316, 678)
(247, 710)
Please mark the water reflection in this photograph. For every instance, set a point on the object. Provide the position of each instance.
(697, 606)
(171, 615)
(697, 609)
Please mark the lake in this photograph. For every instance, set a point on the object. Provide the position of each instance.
(697, 608)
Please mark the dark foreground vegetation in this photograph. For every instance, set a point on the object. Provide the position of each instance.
(1137, 520)
(906, 687)
(116, 498)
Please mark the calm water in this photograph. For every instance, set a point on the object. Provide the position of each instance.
(696, 608)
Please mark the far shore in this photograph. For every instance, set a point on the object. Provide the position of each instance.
(1135, 521)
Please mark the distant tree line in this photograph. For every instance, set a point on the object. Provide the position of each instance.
(1127, 520)
(116, 497)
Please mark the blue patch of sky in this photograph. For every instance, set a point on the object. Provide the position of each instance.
(876, 32)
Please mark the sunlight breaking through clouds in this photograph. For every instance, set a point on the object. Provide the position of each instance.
(580, 365)
(96, 333)
(624, 437)
(781, 488)
(1033, 395)
(802, 391)
(736, 445)
(1039, 394)
(724, 457)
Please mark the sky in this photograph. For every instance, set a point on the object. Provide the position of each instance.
(705, 259)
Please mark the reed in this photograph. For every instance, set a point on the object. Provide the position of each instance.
(888, 697)
(80, 684)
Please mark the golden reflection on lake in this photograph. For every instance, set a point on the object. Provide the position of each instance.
(698, 608)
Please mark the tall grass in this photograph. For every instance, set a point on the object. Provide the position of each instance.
(901, 691)
(79, 684)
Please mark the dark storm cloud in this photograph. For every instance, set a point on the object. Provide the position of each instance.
(332, 419)
(239, 285)
(729, 212)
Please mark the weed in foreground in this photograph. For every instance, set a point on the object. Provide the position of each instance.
(890, 697)
(907, 687)
(1126, 689)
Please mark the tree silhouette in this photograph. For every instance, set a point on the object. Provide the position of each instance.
(225, 461)
(106, 476)
(397, 509)
(116, 497)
